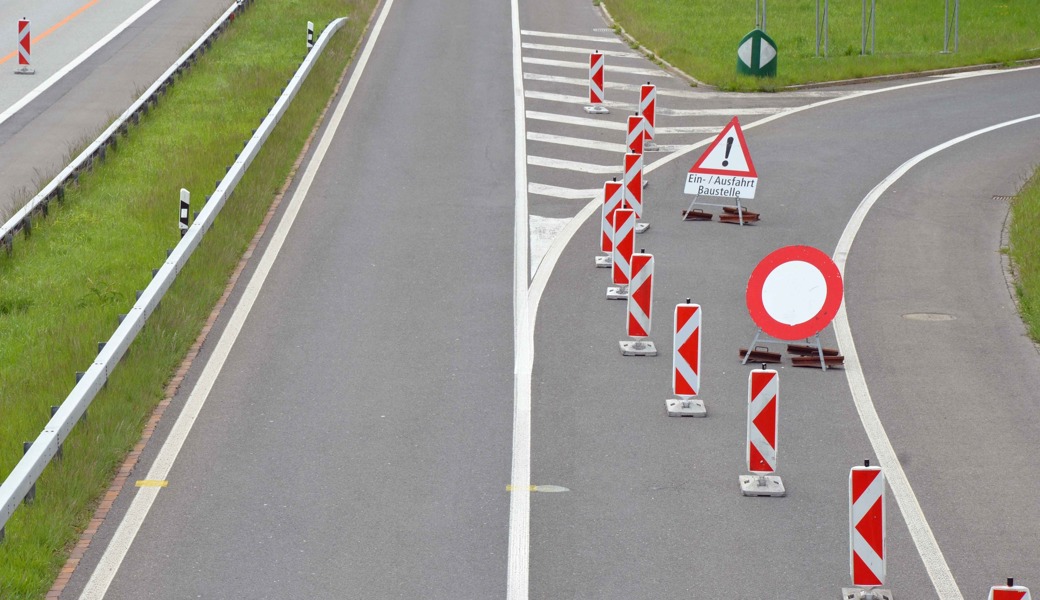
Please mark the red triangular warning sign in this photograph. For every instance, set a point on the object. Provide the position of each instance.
(727, 155)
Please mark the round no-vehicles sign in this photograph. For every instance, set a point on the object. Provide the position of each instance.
(794, 292)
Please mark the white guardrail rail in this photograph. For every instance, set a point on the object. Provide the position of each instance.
(21, 482)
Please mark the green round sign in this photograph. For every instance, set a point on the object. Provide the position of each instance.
(756, 55)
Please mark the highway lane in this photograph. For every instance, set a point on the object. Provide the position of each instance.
(654, 508)
(35, 142)
(356, 443)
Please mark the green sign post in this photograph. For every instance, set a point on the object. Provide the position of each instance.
(756, 55)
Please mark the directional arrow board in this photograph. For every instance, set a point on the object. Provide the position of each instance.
(725, 169)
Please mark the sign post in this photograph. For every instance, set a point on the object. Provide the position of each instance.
(760, 448)
(612, 200)
(621, 256)
(867, 555)
(725, 170)
(24, 46)
(640, 304)
(596, 96)
(686, 363)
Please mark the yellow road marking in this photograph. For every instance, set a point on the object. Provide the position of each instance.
(151, 483)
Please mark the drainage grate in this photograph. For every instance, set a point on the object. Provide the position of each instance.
(1004, 198)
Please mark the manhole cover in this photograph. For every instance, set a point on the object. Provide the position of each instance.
(929, 317)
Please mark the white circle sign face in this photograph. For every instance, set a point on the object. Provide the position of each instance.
(794, 292)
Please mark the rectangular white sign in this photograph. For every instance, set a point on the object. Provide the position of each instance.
(724, 186)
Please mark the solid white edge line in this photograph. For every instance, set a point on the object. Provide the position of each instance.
(123, 538)
(552, 255)
(518, 560)
(924, 540)
(43, 87)
(523, 345)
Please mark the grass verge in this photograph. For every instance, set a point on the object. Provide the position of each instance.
(62, 290)
(701, 37)
(1025, 252)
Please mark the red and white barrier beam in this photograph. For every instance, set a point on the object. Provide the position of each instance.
(686, 362)
(640, 305)
(1009, 591)
(621, 255)
(635, 136)
(633, 178)
(867, 527)
(762, 435)
(24, 42)
(648, 110)
(596, 84)
(612, 200)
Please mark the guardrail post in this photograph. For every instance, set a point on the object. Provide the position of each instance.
(54, 411)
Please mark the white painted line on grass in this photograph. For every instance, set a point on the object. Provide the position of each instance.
(43, 87)
(571, 36)
(576, 142)
(160, 469)
(519, 546)
(924, 539)
(575, 50)
(556, 191)
(582, 121)
(570, 165)
(584, 66)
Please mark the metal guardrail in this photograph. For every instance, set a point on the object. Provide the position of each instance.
(22, 479)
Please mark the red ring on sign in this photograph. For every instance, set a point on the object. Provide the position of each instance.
(816, 323)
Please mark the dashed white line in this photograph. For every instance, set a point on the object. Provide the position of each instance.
(576, 142)
(575, 50)
(571, 36)
(570, 165)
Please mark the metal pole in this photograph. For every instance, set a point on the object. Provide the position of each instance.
(817, 28)
(873, 24)
(946, 28)
(956, 23)
(763, 15)
(826, 36)
(863, 30)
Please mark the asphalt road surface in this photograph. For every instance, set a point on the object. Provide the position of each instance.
(37, 140)
(357, 442)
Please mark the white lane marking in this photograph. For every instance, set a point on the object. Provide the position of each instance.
(43, 87)
(576, 142)
(571, 36)
(570, 165)
(566, 64)
(924, 539)
(519, 550)
(571, 120)
(690, 94)
(671, 112)
(682, 130)
(560, 192)
(574, 50)
(160, 469)
(543, 231)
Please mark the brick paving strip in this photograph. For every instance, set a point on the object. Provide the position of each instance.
(65, 575)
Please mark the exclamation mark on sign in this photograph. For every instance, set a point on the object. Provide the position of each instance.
(729, 146)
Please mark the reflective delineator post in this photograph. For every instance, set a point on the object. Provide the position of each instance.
(635, 136)
(185, 206)
(23, 48)
(310, 35)
(621, 255)
(612, 200)
(686, 363)
(596, 84)
(762, 430)
(867, 554)
(634, 188)
(1009, 591)
(640, 303)
(648, 110)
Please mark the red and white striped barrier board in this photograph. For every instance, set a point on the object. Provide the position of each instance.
(596, 96)
(621, 255)
(634, 183)
(634, 139)
(867, 526)
(763, 410)
(686, 350)
(640, 303)
(648, 110)
(641, 295)
(1009, 592)
(23, 48)
(612, 199)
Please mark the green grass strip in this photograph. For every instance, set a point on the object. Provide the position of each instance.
(1025, 252)
(701, 37)
(64, 288)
